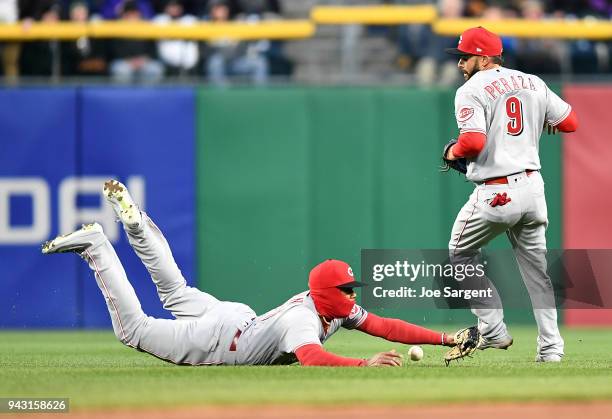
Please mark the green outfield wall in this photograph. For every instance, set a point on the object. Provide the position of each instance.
(287, 177)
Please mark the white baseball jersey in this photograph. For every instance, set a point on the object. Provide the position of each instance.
(510, 107)
(273, 337)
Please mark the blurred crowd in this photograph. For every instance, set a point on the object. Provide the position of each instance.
(421, 51)
(134, 60)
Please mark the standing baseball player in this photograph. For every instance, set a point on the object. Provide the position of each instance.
(212, 332)
(501, 114)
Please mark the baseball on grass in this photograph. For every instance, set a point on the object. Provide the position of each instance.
(416, 353)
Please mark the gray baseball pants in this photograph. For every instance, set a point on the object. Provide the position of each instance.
(204, 326)
(524, 220)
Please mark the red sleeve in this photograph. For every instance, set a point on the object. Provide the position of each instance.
(397, 330)
(314, 355)
(569, 124)
(469, 144)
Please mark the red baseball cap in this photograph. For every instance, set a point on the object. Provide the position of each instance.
(478, 41)
(332, 273)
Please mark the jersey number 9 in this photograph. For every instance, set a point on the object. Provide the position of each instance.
(514, 110)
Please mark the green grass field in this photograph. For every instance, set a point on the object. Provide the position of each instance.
(94, 370)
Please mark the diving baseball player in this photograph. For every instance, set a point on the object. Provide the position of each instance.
(212, 332)
(501, 114)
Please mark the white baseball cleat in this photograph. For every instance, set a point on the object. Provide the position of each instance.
(126, 209)
(499, 343)
(548, 358)
(77, 241)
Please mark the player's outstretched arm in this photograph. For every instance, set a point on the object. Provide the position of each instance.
(397, 330)
(315, 355)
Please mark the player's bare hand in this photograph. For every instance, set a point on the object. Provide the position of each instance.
(386, 359)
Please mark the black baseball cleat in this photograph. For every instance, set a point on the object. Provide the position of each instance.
(77, 241)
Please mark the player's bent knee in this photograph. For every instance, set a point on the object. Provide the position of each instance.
(128, 332)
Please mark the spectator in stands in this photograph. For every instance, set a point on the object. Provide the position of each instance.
(112, 9)
(423, 51)
(233, 7)
(232, 58)
(475, 8)
(585, 56)
(9, 50)
(85, 56)
(94, 8)
(538, 56)
(278, 64)
(179, 56)
(33, 10)
(134, 59)
(579, 8)
(195, 7)
(509, 43)
(40, 58)
(261, 8)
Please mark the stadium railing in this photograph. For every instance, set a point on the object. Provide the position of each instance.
(302, 29)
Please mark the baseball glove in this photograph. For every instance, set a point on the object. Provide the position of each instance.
(466, 341)
(459, 165)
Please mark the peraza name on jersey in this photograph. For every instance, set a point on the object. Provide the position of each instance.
(503, 85)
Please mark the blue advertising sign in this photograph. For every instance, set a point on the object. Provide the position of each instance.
(37, 154)
(58, 146)
(145, 137)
